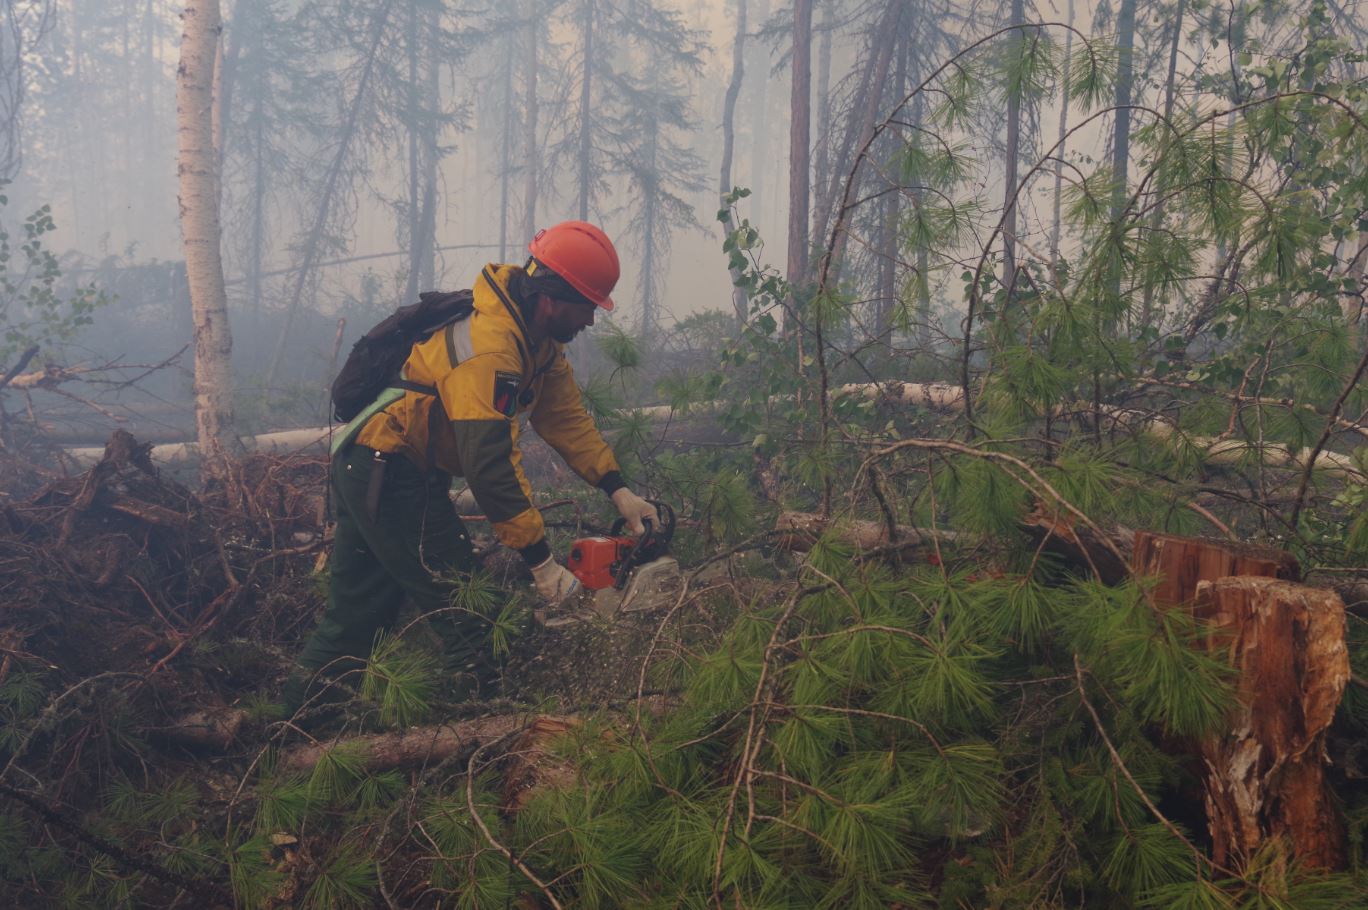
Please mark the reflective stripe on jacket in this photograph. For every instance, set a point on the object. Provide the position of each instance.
(487, 373)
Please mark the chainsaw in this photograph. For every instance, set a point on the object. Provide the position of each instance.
(603, 562)
(624, 574)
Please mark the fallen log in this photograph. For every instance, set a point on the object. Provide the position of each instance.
(799, 531)
(1082, 549)
(933, 395)
(415, 746)
(210, 728)
(1265, 778)
(282, 442)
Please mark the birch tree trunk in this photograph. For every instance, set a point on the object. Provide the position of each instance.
(199, 216)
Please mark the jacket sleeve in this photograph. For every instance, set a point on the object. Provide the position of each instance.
(479, 396)
(559, 417)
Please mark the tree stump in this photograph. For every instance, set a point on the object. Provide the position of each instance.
(1266, 776)
(1180, 563)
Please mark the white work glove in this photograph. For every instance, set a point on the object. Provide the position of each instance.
(635, 511)
(554, 582)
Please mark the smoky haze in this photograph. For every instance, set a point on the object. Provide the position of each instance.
(370, 150)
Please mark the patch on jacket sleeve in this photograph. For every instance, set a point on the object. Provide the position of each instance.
(506, 393)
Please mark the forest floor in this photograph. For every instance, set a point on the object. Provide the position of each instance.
(146, 631)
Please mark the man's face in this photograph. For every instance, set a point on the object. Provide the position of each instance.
(565, 320)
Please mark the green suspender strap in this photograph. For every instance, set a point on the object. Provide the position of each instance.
(386, 398)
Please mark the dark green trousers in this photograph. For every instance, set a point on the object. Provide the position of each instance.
(415, 546)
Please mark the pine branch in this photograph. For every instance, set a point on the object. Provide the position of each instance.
(207, 891)
(1325, 436)
(1200, 858)
(489, 836)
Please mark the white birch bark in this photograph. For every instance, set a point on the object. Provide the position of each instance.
(199, 217)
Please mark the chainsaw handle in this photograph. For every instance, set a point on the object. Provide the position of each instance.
(651, 536)
(665, 533)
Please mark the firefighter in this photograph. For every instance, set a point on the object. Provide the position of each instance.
(397, 531)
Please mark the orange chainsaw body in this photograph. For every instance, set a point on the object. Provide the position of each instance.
(595, 561)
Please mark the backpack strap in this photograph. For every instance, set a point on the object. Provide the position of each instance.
(349, 433)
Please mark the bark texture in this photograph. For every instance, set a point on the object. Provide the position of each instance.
(1181, 563)
(1265, 778)
(798, 531)
(199, 216)
(415, 746)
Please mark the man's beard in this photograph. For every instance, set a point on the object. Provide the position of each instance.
(564, 336)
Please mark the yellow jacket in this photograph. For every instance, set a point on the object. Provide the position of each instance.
(486, 373)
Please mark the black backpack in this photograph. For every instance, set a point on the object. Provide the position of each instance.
(376, 360)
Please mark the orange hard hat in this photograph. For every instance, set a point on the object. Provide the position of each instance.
(582, 255)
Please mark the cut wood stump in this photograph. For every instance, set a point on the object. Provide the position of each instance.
(1180, 563)
(1266, 777)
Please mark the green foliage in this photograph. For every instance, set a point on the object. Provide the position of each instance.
(33, 310)
(398, 681)
(345, 880)
(252, 875)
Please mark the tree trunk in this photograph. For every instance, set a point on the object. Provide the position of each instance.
(800, 142)
(1180, 563)
(258, 240)
(506, 163)
(740, 304)
(1352, 305)
(586, 93)
(1061, 146)
(649, 318)
(315, 236)
(760, 164)
(530, 159)
(884, 42)
(427, 262)
(1012, 155)
(1125, 82)
(199, 218)
(821, 170)
(888, 295)
(1265, 778)
(866, 103)
(1156, 219)
(413, 116)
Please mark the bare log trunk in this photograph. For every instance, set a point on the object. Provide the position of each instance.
(199, 216)
(798, 531)
(414, 746)
(1266, 777)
